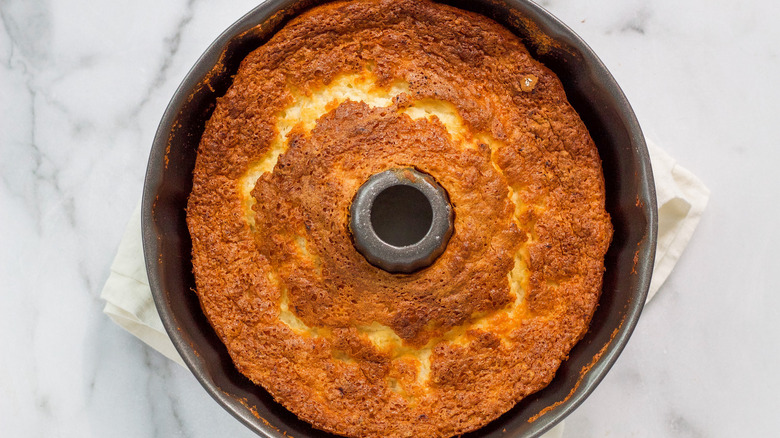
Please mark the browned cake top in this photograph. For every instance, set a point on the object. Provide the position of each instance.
(349, 90)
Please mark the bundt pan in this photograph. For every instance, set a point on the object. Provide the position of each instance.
(591, 90)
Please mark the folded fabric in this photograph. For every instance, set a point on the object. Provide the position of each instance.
(128, 297)
(681, 197)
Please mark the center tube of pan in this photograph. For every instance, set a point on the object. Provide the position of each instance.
(401, 220)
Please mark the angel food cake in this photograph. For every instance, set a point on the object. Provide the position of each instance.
(346, 91)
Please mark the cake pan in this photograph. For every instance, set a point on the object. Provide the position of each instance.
(592, 91)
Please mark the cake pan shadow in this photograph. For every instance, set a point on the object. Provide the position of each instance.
(592, 91)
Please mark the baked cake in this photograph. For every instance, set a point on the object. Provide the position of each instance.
(351, 89)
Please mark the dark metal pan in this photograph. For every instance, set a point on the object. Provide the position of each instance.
(592, 91)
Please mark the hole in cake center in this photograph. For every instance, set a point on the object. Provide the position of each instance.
(401, 215)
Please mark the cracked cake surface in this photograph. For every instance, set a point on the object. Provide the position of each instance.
(351, 89)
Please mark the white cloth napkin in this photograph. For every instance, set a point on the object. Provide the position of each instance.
(681, 200)
(128, 296)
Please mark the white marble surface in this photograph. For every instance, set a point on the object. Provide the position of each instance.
(83, 85)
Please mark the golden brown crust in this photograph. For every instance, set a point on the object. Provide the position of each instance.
(299, 308)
